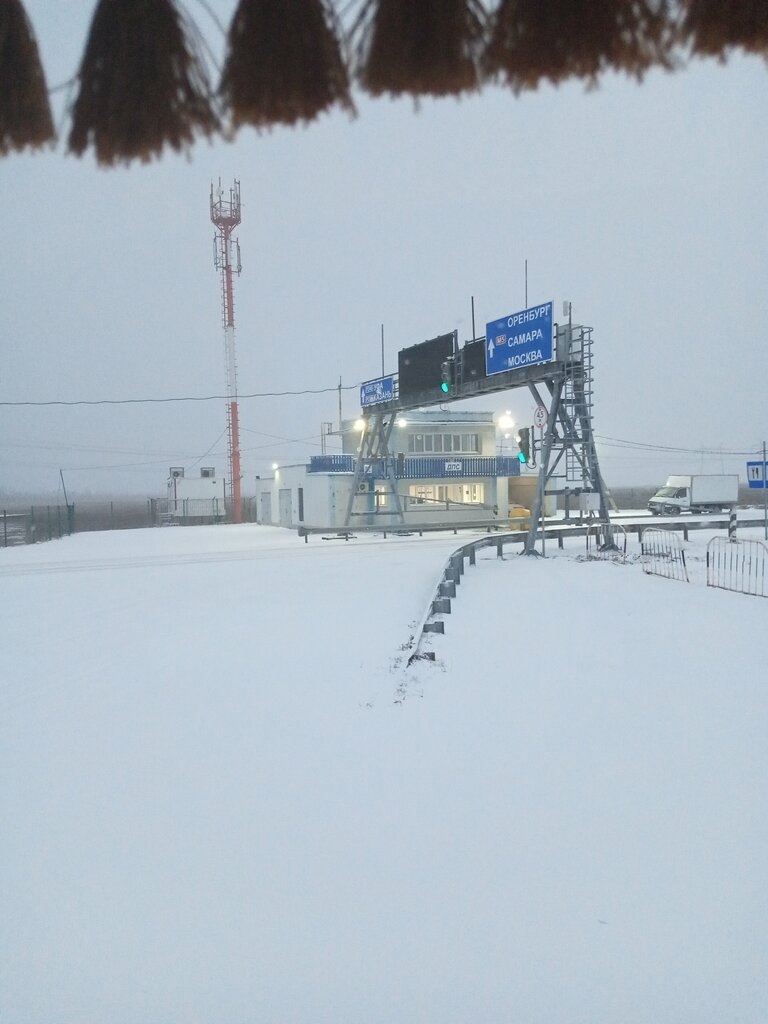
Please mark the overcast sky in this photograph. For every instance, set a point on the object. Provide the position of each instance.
(643, 204)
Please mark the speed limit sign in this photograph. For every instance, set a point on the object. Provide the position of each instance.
(540, 416)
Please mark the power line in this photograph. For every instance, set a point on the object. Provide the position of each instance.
(618, 442)
(102, 450)
(156, 458)
(205, 454)
(183, 398)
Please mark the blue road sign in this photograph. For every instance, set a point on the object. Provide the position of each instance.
(375, 391)
(756, 474)
(522, 339)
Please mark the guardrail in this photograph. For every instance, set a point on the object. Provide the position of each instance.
(439, 603)
(555, 529)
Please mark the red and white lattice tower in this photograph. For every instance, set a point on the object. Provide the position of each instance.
(225, 214)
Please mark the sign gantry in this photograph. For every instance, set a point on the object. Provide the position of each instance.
(523, 349)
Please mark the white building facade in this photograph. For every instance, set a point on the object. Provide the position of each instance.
(448, 467)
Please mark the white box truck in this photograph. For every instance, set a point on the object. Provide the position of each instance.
(705, 492)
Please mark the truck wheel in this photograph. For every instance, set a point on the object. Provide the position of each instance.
(670, 510)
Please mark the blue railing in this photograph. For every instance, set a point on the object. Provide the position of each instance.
(423, 467)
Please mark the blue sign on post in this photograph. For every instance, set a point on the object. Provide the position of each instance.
(756, 474)
(375, 391)
(522, 339)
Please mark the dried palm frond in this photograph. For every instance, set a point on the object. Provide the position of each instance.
(25, 113)
(284, 63)
(142, 84)
(419, 47)
(535, 40)
(714, 26)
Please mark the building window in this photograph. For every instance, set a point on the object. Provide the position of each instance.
(447, 494)
(443, 443)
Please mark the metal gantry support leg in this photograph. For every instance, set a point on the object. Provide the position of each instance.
(545, 471)
(373, 454)
(575, 436)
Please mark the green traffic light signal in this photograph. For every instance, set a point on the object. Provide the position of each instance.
(522, 458)
(446, 374)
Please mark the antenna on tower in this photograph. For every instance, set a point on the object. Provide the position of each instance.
(225, 214)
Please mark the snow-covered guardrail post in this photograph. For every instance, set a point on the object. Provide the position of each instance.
(456, 568)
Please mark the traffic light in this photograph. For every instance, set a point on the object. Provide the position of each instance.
(446, 376)
(524, 440)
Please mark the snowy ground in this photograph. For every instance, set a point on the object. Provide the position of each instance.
(226, 798)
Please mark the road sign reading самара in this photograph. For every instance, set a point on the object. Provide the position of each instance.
(521, 339)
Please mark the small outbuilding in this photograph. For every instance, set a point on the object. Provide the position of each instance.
(195, 499)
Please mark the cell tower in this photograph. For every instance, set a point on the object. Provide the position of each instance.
(225, 214)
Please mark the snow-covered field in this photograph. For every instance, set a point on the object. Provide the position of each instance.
(226, 797)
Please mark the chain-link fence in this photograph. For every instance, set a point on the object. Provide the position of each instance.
(38, 522)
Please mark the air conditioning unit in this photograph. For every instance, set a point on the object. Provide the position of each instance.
(207, 472)
(177, 472)
(362, 487)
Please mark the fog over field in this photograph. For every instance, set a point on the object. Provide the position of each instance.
(639, 203)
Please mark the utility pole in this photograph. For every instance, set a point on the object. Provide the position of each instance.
(70, 508)
(64, 486)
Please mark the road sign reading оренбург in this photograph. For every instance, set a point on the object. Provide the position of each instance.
(521, 339)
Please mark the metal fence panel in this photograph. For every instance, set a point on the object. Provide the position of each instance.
(663, 555)
(738, 565)
(601, 546)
